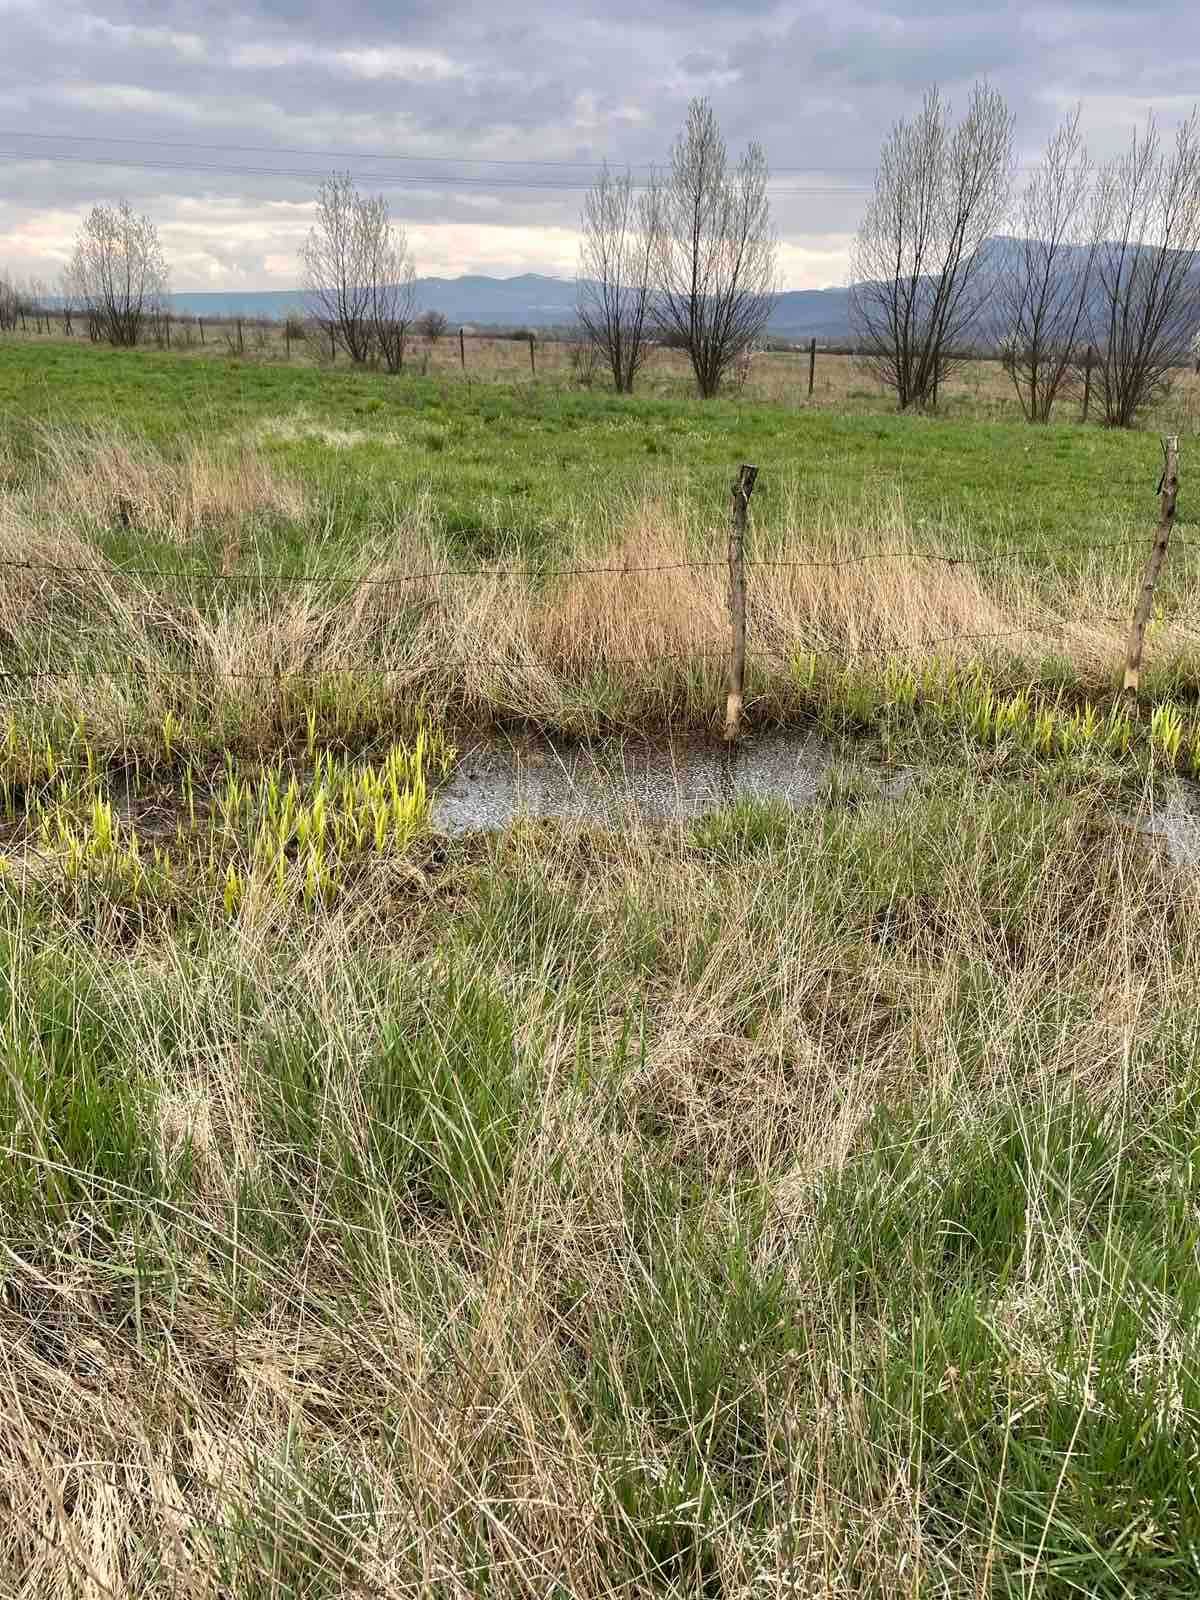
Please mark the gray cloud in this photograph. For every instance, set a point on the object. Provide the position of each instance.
(232, 114)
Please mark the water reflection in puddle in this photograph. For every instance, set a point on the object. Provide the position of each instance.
(618, 782)
(1176, 821)
(611, 783)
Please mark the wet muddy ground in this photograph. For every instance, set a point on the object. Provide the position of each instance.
(494, 784)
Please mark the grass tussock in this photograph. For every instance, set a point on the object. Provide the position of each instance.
(97, 480)
(787, 1204)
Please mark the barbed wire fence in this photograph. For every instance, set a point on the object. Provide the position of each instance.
(740, 648)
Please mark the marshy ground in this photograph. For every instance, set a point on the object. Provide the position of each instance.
(791, 1190)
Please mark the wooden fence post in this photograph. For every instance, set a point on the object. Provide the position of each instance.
(332, 344)
(1168, 489)
(1087, 382)
(743, 488)
(287, 339)
(812, 366)
(200, 325)
(462, 350)
(532, 362)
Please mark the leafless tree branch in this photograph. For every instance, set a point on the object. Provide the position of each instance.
(1147, 267)
(615, 264)
(1046, 275)
(920, 258)
(715, 249)
(118, 272)
(360, 283)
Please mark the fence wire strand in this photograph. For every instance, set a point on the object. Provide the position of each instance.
(280, 676)
(167, 576)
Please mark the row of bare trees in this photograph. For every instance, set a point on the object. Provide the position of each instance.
(25, 303)
(359, 279)
(1105, 263)
(689, 256)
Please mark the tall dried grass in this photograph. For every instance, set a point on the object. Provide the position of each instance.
(94, 479)
(640, 642)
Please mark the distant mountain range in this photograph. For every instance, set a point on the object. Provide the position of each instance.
(534, 300)
(528, 301)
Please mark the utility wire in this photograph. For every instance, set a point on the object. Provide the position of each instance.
(594, 164)
(386, 180)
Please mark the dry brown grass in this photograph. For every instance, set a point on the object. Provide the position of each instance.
(636, 647)
(95, 479)
(294, 1369)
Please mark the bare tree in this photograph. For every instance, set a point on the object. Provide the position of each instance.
(714, 248)
(1044, 277)
(616, 260)
(337, 268)
(920, 260)
(394, 284)
(34, 301)
(119, 272)
(1147, 267)
(432, 325)
(68, 299)
(9, 299)
(359, 277)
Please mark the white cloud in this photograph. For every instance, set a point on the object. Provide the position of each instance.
(375, 62)
(433, 83)
(131, 97)
(393, 62)
(823, 265)
(189, 46)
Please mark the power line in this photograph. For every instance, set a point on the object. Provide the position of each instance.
(305, 150)
(394, 180)
(594, 164)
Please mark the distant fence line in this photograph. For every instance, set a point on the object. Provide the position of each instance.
(233, 330)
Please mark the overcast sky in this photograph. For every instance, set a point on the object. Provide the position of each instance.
(484, 122)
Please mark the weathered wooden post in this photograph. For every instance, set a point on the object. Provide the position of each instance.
(812, 365)
(1168, 490)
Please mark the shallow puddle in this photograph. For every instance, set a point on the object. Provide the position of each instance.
(1176, 821)
(622, 781)
(619, 782)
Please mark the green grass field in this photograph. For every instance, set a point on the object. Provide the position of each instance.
(523, 467)
(773, 1203)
